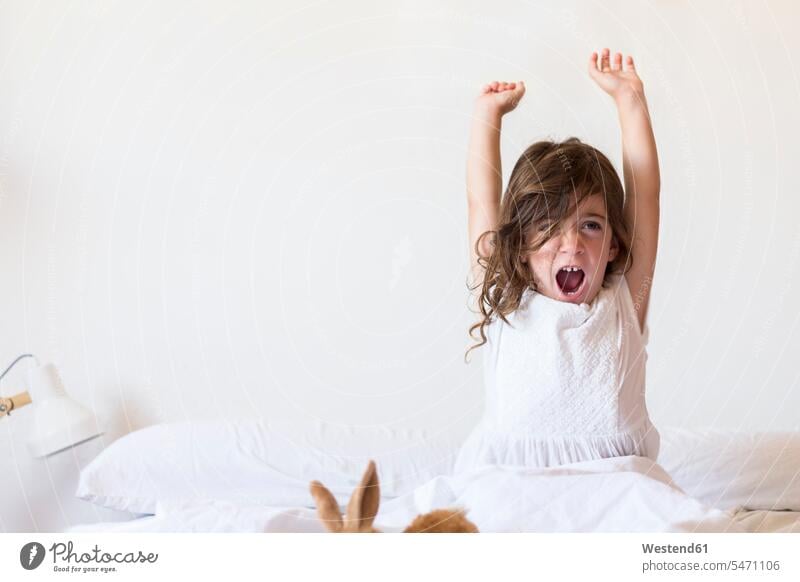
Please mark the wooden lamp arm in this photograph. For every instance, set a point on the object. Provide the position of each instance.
(13, 402)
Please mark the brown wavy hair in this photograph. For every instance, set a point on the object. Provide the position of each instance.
(547, 183)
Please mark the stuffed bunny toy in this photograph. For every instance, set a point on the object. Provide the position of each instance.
(363, 507)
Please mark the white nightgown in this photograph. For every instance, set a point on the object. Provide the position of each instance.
(564, 383)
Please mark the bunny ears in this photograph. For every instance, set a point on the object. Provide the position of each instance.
(361, 510)
(363, 507)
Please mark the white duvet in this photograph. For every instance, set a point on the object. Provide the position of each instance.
(621, 494)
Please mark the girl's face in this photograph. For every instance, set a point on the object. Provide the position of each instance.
(583, 240)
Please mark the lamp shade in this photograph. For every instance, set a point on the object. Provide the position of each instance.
(58, 421)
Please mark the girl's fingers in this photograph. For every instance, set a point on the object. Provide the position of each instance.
(604, 66)
(593, 62)
(502, 86)
(617, 64)
(630, 64)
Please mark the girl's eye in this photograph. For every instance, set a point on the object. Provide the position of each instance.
(594, 225)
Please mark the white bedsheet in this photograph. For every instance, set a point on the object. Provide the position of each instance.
(622, 494)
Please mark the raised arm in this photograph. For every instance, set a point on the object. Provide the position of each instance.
(640, 168)
(484, 175)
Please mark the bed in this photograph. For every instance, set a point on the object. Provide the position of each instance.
(253, 475)
(217, 519)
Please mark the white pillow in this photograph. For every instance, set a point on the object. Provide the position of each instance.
(728, 470)
(273, 462)
(256, 461)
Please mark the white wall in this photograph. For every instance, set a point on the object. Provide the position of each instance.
(257, 208)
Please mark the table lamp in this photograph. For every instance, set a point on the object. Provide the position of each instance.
(59, 422)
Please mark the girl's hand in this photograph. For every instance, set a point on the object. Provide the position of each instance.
(501, 97)
(612, 78)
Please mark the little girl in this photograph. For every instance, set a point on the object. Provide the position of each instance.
(564, 265)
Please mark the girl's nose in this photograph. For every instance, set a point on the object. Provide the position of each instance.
(571, 240)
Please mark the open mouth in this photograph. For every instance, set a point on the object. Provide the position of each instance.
(570, 282)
